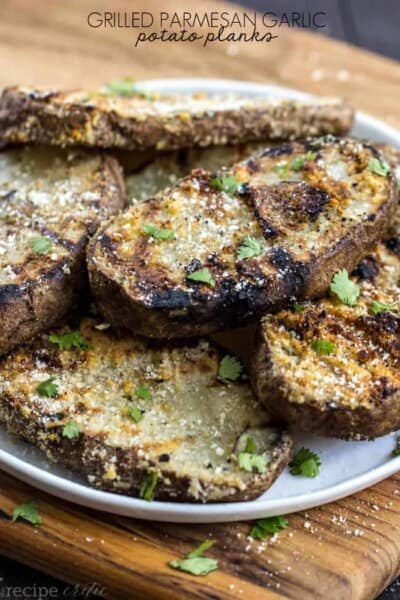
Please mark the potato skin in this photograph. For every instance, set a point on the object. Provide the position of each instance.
(59, 286)
(133, 123)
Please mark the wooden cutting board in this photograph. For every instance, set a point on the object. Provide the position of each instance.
(346, 550)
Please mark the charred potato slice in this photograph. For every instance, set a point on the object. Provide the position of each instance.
(198, 258)
(352, 391)
(123, 412)
(136, 122)
(51, 201)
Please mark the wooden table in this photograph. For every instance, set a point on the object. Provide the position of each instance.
(348, 549)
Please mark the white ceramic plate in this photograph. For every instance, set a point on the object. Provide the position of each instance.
(347, 467)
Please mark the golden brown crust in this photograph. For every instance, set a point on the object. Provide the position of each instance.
(192, 426)
(60, 196)
(308, 221)
(166, 123)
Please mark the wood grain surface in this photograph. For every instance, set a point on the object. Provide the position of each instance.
(346, 550)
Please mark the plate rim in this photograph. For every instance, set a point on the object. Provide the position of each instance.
(179, 512)
(175, 512)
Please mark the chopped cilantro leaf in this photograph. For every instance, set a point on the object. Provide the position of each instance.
(305, 462)
(126, 87)
(281, 168)
(344, 288)
(71, 430)
(268, 526)
(249, 462)
(251, 445)
(47, 388)
(71, 339)
(323, 347)
(248, 248)
(135, 414)
(310, 156)
(28, 511)
(321, 140)
(380, 167)
(298, 308)
(229, 369)
(40, 244)
(199, 551)
(203, 276)
(298, 162)
(226, 183)
(158, 233)
(378, 307)
(195, 563)
(396, 450)
(143, 392)
(148, 485)
(195, 566)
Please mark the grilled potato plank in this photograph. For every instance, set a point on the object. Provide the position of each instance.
(132, 408)
(164, 122)
(50, 202)
(308, 208)
(354, 391)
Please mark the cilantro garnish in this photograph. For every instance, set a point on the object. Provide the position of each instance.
(378, 307)
(199, 551)
(306, 463)
(148, 485)
(268, 526)
(298, 162)
(126, 87)
(135, 414)
(323, 347)
(71, 339)
(251, 445)
(195, 563)
(71, 430)
(230, 369)
(158, 233)
(143, 392)
(203, 276)
(248, 248)
(310, 156)
(248, 462)
(226, 183)
(380, 167)
(40, 244)
(298, 308)
(396, 450)
(28, 511)
(344, 288)
(281, 168)
(47, 388)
